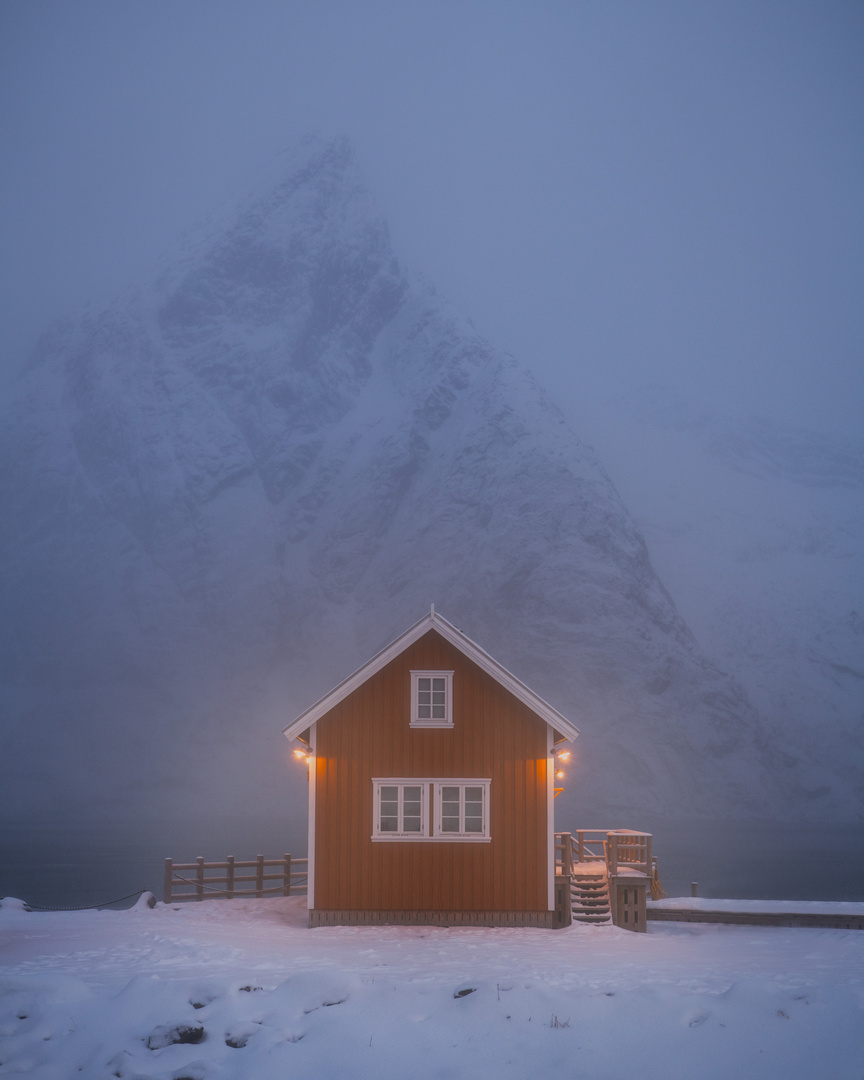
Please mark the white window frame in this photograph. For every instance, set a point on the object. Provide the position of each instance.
(462, 783)
(426, 721)
(400, 783)
(430, 796)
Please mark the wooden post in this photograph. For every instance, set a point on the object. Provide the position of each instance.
(199, 878)
(169, 877)
(229, 874)
(649, 855)
(259, 877)
(581, 836)
(694, 888)
(563, 913)
(612, 856)
(286, 889)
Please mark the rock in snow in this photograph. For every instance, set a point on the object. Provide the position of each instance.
(170, 1035)
(227, 491)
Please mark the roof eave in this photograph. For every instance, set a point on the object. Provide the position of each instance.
(434, 621)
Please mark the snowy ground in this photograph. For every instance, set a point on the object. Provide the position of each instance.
(101, 994)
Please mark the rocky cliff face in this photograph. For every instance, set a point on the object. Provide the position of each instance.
(229, 490)
(758, 531)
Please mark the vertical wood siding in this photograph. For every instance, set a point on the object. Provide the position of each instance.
(368, 735)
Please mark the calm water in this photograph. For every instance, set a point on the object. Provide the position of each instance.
(762, 861)
(92, 864)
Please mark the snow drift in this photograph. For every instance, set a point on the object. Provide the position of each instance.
(239, 989)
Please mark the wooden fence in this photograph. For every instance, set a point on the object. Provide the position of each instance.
(220, 880)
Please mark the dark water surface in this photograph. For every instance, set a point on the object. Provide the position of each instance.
(61, 866)
(762, 861)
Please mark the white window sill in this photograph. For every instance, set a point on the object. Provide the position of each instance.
(404, 839)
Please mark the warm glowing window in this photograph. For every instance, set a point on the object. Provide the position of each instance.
(431, 699)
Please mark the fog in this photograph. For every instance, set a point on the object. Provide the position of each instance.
(627, 193)
(624, 196)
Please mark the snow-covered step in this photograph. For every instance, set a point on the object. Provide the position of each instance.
(589, 897)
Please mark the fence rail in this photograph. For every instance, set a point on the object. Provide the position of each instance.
(220, 880)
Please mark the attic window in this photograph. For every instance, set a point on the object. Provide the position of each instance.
(431, 699)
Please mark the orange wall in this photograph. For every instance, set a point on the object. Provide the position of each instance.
(368, 735)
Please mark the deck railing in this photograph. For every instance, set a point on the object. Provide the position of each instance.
(627, 850)
(620, 849)
(220, 881)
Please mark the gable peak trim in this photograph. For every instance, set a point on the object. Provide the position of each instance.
(469, 648)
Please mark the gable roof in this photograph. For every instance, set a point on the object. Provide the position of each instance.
(434, 621)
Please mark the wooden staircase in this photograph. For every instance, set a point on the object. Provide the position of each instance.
(589, 894)
(608, 872)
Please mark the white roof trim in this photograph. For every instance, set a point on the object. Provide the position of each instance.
(434, 621)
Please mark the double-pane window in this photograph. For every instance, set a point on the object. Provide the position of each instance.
(408, 809)
(400, 808)
(431, 697)
(462, 810)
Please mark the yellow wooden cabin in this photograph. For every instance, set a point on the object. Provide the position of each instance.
(431, 789)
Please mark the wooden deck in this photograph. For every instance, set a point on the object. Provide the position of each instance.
(610, 872)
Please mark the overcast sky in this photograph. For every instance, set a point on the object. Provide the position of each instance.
(619, 192)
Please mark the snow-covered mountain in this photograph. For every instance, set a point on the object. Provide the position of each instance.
(231, 488)
(758, 531)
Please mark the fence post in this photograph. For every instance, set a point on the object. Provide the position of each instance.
(229, 874)
(581, 836)
(259, 877)
(199, 878)
(286, 889)
(649, 855)
(169, 877)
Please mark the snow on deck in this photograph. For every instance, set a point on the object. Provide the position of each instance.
(790, 913)
(761, 907)
(256, 994)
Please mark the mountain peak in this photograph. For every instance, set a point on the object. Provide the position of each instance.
(309, 255)
(236, 487)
